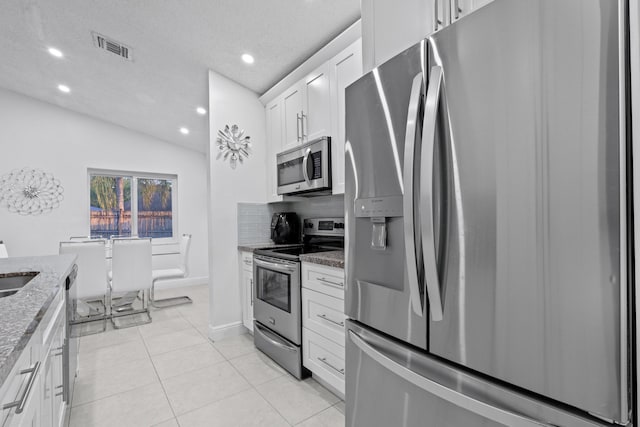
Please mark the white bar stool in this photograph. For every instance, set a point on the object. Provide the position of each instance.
(130, 272)
(173, 273)
(91, 283)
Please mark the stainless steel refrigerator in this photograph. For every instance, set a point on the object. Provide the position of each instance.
(487, 231)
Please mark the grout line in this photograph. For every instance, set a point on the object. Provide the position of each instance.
(166, 396)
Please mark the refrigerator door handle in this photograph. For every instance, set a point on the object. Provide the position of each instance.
(413, 116)
(426, 193)
(493, 413)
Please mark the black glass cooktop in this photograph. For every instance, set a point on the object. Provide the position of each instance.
(300, 251)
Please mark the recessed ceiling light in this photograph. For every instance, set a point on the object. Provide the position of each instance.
(64, 88)
(55, 52)
(201, 111)
(248, 58)
(184, 131)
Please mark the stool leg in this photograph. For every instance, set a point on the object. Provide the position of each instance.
(167, 302)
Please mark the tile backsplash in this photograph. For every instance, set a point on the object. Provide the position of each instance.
(254, 222)
(254, 219)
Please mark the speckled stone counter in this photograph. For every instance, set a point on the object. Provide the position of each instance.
(21, 313)
(250, 247)
(330, 258)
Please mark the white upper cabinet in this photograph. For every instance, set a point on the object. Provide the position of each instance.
(389, 27)
(316, 115)
(311, 108)
(274, 146)
(292, 103)
(344, 69)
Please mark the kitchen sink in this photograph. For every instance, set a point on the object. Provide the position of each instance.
(11, 283)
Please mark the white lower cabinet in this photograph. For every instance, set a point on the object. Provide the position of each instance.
(323, 323)
(324, 358)
(32, 394)
(246, 284)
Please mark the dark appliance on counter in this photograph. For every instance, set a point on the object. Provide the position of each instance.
(285, 228)
(277, 282)
(306, 169)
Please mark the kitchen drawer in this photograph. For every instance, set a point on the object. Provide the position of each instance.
(324, 315)
(246, 260)
(15, 387)
(320, 278)
(324, 358)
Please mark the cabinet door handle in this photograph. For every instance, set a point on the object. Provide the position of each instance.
(456, 10)
(298, 137)
(251, 281)
(19, 404)
(322, 279)
(324, 317)
(302, 118)
(324, 360)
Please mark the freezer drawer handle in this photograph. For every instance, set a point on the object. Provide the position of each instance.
(324, 360)
(426, 193)
(407, 202)
(498, 415)
(324, 317)
(19, 404)
(273, 339)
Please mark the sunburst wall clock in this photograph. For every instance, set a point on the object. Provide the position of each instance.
(233, 145)
(30, 191)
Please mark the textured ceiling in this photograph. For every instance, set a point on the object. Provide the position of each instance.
(173, 44)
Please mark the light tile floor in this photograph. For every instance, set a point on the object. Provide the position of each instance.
(168, 373)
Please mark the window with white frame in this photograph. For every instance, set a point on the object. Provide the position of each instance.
(132, 204)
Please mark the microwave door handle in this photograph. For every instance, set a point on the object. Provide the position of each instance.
(426, 192)
(305, 162)
(413, 116)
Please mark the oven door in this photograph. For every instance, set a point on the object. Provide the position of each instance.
(305, 168)
(277, 296)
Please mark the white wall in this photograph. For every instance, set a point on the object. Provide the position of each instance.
(229, 104)
(43, 136)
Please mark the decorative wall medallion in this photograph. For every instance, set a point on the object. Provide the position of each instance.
(233, 145)
(30, 191)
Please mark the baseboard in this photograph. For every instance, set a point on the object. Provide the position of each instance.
(219, 332)
(328, 386)
(182, 283)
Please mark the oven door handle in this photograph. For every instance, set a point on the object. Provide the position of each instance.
(274, 265)
(305, 162)
(272, 338)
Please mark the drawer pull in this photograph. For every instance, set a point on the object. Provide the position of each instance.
(324, 360)
(322, 279)
(19, 404)
(324, 317)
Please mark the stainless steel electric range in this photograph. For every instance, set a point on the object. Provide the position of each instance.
(277, 306)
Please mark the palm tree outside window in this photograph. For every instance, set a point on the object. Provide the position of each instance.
(126, 204)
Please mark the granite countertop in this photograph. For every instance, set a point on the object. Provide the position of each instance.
(329, 258)
(250, 247)
(21, 313)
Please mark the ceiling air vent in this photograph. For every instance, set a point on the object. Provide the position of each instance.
(112, 46)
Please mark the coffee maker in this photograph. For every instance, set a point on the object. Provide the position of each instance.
(285, 228)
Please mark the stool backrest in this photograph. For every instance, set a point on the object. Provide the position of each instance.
(92, 267)
(130, 264)
(185, 244)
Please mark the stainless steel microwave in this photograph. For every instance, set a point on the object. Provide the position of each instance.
(306, 169)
